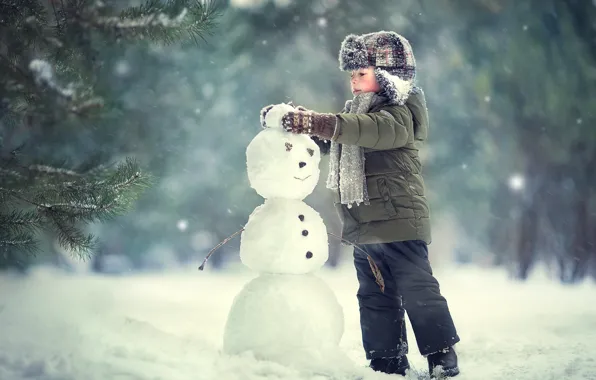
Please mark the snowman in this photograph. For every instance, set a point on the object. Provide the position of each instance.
(286, 314)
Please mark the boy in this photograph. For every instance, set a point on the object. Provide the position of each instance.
(375, 170)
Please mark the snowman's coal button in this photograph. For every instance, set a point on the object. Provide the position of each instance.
(304, 232)
(309, 255)
(302, 164)
(301, 217)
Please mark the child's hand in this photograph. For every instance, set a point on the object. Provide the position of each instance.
(318, 124)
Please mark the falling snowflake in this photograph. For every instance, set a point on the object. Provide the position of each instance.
(122, 68)
(182, 224)
(516, 182)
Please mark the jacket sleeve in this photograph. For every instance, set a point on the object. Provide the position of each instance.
(324, 145)
(388, 128)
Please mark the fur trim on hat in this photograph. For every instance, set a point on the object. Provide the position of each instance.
(353, 54)
(393, 87)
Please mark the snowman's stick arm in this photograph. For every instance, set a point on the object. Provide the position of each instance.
(218, 246)
(347, 241)
(373, 266)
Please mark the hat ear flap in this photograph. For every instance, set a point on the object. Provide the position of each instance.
(396, 89)
(353, 54)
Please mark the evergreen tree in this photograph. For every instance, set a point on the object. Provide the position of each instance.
(52, 89)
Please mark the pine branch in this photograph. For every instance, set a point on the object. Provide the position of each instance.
(159, 21)
(60, 200)
(12, 246)
(43, 76)
(30, 87)
(72, 238)
(49, 73)
(36, 91)
(14, 12)
(18, 221)
(20, 241)
(19, 23)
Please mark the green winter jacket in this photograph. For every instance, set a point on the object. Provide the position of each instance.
(392, 136)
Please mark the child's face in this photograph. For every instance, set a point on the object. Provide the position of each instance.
(364, 80)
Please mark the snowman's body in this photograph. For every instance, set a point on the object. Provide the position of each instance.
(286, 314)
(284, 236)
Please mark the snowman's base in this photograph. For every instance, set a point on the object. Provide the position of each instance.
(293, 320)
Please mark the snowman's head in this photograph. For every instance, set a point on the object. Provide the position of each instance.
(281, 164)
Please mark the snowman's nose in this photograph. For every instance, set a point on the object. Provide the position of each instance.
(302, 164)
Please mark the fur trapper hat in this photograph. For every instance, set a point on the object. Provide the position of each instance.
(390, 54)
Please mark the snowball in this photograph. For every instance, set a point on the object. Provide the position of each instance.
(273, 118)
(286, 319)
(282, 164)
(284, 236)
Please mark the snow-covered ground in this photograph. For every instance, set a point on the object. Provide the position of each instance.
(169, 326)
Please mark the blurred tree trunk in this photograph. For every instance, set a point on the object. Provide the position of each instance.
(584, 250)
(581, 247)
(528, 236)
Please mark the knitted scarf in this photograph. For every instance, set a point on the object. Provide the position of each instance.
(346, 162)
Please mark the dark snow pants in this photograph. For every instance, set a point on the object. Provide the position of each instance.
(409, 285)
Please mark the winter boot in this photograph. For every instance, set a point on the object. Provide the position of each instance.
(447, 359)
(396, 365)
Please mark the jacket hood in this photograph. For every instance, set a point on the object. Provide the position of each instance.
(416, 103)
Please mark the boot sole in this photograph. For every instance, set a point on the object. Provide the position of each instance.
(451, 372)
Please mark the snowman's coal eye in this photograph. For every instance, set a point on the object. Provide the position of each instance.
(309, 255)
(288, 147)
(304, 232)
(310, 151)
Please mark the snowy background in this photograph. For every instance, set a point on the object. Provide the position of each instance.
(58, 326)
(508, 164)
(509, 169)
